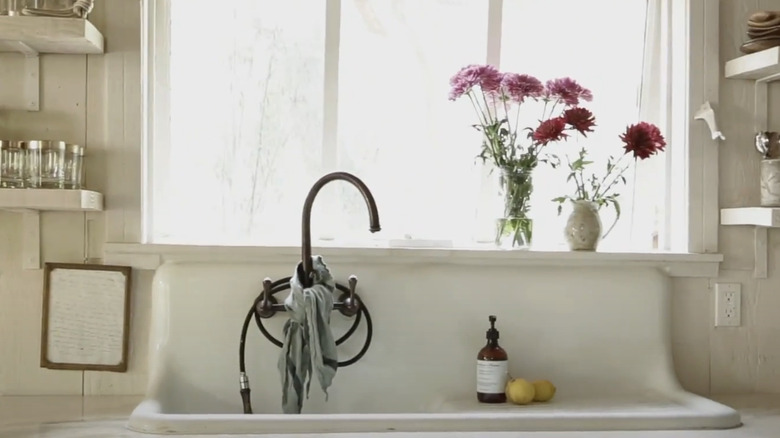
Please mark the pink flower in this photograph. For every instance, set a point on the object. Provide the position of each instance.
(550, 130)
(568, 91)
(643, 139)
(519, 87)
(580, 119)
(486, 76)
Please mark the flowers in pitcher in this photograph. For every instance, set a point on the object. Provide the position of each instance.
(497, 99)
(640, 141)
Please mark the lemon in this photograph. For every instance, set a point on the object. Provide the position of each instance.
(544, 390)
(520, 391)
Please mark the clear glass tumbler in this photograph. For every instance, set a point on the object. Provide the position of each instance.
(31, 170)
(52, 164)
(13, 7)
(11, 164)
(74, 166)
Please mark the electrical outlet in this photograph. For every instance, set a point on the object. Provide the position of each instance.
(728, 304)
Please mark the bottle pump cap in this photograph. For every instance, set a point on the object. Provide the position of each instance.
(492, 333)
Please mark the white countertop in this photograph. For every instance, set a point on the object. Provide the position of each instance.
(105, 416)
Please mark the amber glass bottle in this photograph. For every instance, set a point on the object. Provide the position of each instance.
(492, 368)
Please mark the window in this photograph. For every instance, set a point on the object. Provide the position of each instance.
(247, 114)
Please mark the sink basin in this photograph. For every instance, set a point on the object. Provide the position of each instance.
(605, 345)
(680, 411)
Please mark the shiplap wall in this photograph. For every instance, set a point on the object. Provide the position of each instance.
(95, 100)
(746, 358)
(92, 100)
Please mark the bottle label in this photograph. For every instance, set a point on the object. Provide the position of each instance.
(491, 376)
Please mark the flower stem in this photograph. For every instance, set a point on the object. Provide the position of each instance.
(480, 114)
(615, 179)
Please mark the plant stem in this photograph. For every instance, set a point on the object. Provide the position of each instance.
(480, 114)
(616, 178)
(487, 106)
(508, 125)
(581, 184)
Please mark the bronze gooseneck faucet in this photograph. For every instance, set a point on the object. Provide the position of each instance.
(265, 305)
(373, 216)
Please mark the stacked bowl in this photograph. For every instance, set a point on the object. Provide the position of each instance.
(763, 31)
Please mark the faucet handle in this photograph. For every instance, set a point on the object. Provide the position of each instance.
(350, 303)
(265, 307)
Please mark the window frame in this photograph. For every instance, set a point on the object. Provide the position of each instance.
(692, 163)
(697, 55)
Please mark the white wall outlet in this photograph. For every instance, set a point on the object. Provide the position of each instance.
(728, 304)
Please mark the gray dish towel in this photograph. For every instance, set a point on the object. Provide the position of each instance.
(309, 346)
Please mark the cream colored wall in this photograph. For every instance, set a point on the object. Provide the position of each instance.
(93, 100)
(87, 100)
(746, 358)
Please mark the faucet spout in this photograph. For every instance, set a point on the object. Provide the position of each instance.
(373, 216)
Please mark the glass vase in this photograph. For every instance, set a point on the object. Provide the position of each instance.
(514, 228)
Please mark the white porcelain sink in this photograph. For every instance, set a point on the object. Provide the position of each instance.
(608, 413)
(601, 335)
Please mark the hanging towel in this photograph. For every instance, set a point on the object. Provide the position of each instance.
(309, 347)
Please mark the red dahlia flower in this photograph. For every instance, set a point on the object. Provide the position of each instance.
(643, 140)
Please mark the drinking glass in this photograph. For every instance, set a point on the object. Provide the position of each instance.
(11, 164)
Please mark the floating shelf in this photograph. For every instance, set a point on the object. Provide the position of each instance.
(762, 67)
(50, 199)
(761, 218)
(33, 35)
(31, 202)
(759, 66)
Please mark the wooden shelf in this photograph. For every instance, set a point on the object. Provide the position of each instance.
(50, 199)
(759, 66)
(33, 35)
(762, 218)
(762, 67)
(758, 216)
(30, 202)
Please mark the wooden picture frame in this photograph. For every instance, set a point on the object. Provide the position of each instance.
(79, 326)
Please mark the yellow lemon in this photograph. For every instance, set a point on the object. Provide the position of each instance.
(544, 390)
(519, 391)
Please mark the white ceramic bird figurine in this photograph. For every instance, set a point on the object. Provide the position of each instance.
(707, 114)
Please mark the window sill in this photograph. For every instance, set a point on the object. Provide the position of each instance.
(151, 256)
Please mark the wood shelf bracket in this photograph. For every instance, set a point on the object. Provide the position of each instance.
(32, 82)
(32, 75)
(31, 239)
(761, 252)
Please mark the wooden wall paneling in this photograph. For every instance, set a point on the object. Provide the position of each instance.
(114, 131)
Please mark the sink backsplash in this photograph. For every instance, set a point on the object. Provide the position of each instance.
(589, 330)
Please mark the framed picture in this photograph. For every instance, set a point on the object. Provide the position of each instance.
(86, 317)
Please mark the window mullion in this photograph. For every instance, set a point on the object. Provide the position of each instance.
(492, 57)
(331, 84)
(330, 105)
(495, 18)
(156, 101)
